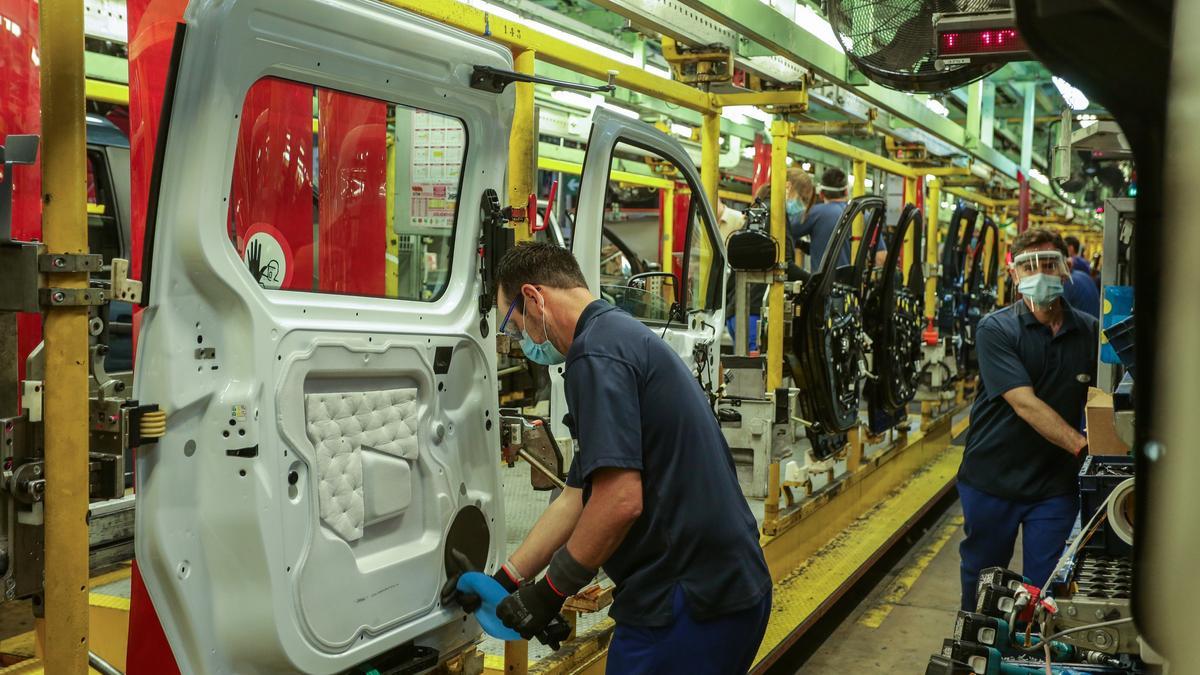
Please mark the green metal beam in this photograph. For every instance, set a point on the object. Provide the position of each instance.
(106, 67)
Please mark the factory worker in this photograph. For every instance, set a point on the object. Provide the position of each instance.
(652, 496)
(1020, 469)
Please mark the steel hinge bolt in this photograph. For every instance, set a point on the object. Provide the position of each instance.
(58, 296)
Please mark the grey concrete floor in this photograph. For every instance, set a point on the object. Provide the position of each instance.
(895, 630)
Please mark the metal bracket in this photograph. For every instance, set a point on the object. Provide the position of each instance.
(124, 288)
(72, 297)
(698, 65)
(494, 80)
(49, 263)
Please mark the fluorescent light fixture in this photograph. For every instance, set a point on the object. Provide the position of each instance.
(747, 111)
(1070, 94)
(789, 160)
(631, 114)
(572, 98)
(1085, 120)
(930, 177)
(937, 107)
(807, 166)
(733, 115)
(681, 130)
(868, 183)
(809, 20)
(1038, 176)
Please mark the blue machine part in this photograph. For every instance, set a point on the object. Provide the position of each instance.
(1117, 305)
(490, 592)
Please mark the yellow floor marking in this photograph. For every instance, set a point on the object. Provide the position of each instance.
(874, 617)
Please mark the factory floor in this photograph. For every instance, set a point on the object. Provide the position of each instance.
(908, 613)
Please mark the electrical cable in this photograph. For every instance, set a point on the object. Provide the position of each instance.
(1077, 629)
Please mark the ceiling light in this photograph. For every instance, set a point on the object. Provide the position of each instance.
(1074, 98)
(1038, 176)
(733, 115)
(631, 114)
(868, 183)
(937, 107)
(789, 160)
(807, 166)
(572, 98)
(748, 152)
(747, 111)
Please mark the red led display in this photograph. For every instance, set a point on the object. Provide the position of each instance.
(991, 41)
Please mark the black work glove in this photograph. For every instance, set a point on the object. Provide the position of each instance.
(535, 605)
(470, 601)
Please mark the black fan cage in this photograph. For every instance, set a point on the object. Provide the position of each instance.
(893, 42)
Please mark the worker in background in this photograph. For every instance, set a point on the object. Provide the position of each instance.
(822, 219)
(1081, 293)
(652, 494)
(729, 220)
(1075, 252)
(1020, 468)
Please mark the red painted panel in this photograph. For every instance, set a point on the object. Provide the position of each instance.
(152, 31)
(147, 651)
(683, 200)
(20, 113)
(352, 161)
(272, 174)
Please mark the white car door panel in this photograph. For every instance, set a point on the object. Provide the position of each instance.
(323, 451)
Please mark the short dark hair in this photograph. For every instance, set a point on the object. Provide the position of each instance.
(538, 263)
(1035, 236)
(1072, 240)
(833, 176)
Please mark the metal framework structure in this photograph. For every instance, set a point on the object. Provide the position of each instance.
(759, 42)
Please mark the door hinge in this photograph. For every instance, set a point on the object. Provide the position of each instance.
(72, 297)
(494, 80)
(52, 263)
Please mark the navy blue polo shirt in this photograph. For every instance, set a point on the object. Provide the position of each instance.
(635, 405)
(1005, 457)
(819, 224)
(1081, 292)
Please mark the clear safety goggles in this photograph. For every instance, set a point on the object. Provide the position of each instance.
(1044, 262)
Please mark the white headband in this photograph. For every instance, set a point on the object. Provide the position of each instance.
(833, 188)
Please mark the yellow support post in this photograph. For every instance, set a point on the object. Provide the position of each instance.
(668, 229)
(933, 202)
(522, 146)
(64, 229)
(710, 179)
(859, 189)
(910, 254)
(779, 141)
(391, 259)
(710, 151)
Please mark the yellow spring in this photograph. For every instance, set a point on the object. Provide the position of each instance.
(153, 424)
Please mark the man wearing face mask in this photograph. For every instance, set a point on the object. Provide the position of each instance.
(1020, 468)
(652, 494)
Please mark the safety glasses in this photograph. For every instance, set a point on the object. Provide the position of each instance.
(508, 327)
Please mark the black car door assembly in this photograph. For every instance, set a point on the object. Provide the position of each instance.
(827, 329)
(894, 318)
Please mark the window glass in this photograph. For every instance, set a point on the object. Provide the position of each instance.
(104, 232)
(656, 250)
(338, 193)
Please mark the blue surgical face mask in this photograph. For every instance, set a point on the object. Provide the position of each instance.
(795, 212)
(1041, 289)
(544, 353)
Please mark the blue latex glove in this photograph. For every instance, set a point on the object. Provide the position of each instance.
(490, 594)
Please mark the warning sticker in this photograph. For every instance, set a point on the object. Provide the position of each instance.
(268, 256)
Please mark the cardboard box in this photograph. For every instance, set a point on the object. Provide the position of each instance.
(1101, 432)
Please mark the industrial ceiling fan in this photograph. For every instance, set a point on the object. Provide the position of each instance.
(926, 45)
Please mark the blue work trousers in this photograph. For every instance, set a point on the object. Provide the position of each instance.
(991, 526)
(751, 339)
(725, 645)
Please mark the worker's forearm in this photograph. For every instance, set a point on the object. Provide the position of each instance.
(549, 533)
(599, 532)
(1051, 425)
